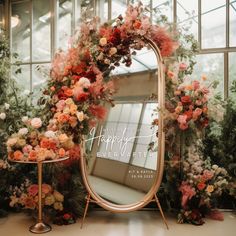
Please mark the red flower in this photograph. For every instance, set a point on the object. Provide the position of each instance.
(98, 111)
(61, 95)
(186, 99)
(137, 24)
(82, 97)
(189, 114)
(66, 216)
(201, 186)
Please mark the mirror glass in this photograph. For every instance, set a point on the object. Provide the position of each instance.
(122, 150)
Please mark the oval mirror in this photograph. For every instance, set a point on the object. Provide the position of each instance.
(125, 153)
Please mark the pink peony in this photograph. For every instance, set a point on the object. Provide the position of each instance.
(187, 193)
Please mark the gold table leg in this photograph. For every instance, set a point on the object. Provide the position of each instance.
(40, 227)
(85, 210)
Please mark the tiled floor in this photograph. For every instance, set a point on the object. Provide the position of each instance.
(139, 223)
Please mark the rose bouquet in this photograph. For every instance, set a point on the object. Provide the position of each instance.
(26, 196)
(202, 184)
(31, 144)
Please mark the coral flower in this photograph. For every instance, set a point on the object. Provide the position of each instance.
(186, 99)
(18, 155)
(63, 118)
(32, 156)
(33, 190)
(62, 152)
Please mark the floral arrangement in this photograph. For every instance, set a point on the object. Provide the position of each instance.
(80, 82)
(192, 105)
(202, 184)
(29, 144)
(26, 196)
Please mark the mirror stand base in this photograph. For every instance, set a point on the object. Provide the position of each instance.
(155, 199)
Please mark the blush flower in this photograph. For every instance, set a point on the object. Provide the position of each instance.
(36, 123)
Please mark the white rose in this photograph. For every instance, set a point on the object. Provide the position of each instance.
(11, 141)
(103, 41)
(24, 119)
(214, 167)
(23, 131)
(84, 82)
(49, 134)
(2, 116)
(36, 123)
(80, 115)
(7, 106)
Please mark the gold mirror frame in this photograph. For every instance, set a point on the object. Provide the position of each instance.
(160, 160)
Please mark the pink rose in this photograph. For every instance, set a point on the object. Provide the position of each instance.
(36, 123)
(33, 190)
(196, 84)
(27, 148)
(205, 90)
(198, 102)
(182, 66)
(60, 105)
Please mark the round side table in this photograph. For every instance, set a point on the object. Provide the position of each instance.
(40, 227)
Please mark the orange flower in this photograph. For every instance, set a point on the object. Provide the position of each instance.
(18, 155)
(63, 118)
(68, 92)
(32, 156)
(189, 87)
(170, 74)
(201, 186)
(52, 144)
(210, 188)
(44, 143)
(73, 109)
(62, 152)
(137, 24)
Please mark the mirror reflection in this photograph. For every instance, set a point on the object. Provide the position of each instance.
(122, 156)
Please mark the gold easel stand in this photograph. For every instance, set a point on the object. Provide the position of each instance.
(155, 199)
(40, 227)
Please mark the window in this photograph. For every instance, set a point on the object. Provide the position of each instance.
(214, 26)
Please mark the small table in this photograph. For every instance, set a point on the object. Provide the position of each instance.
(40, 227)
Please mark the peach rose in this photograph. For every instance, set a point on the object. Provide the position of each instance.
(68, 92)
(46, 189)
(196, 113)
(33, 190)
(103, 41)
(112, 51)
(63, 138)
(73, 121)
(32, 156)
(63, 118)
(36, 123)
(73, 109)
(170, 74)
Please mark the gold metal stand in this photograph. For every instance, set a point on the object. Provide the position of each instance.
(40, 227)
(155, 199)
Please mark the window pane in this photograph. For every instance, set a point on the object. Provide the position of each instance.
(213, 24)
(64, 23)
(162, 7)
(103, 10)
(212, 66)
(232, 16)
(118, 8)
(23, 78)
(87, 9)
(40, 74)
(20, 26)
(232, 69)
(41, 30)
(187, 15)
